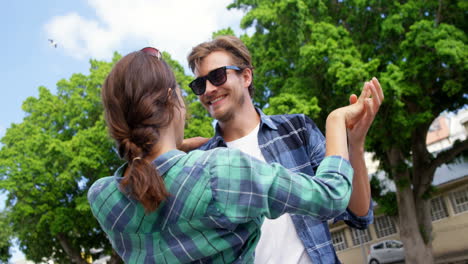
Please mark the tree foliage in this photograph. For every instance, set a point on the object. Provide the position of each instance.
(327, 49)
(6, 236)
(287, 103)
(47, 164)
(50, 159)
(386, 200)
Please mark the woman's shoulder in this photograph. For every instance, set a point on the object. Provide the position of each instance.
(101, 187)
(216, 156)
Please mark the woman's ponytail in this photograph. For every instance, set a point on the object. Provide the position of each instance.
(138, 103)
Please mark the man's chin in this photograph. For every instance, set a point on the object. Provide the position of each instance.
(223, 118)
(216, 114)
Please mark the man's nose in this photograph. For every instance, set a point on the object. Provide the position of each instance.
(210, 88)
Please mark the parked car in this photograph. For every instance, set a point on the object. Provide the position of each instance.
(387, 251)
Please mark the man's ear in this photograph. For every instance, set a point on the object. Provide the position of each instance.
(247, 74)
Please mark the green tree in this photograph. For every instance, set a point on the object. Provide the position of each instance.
(287, 103)
(50, 159)
(326, 49)
(5, 237)
(47, 163)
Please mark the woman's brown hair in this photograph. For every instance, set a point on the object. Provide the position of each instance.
(137, 103)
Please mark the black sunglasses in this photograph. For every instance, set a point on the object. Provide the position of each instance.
(216, 77)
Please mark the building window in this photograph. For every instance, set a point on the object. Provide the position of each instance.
(339, 240)
(360, 236)
(384, 226)
(459, 200)
(438, 208)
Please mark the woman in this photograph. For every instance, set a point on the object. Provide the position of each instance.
(167, 206)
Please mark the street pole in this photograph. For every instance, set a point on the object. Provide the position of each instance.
(363, 250)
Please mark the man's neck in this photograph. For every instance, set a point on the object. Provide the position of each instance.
(241, 125)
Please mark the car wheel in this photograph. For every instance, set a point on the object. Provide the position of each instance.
(373, 261)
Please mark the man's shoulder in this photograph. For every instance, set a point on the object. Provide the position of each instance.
(278, 118)
(291, 121)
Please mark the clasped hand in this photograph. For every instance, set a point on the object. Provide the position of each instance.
(361, 112)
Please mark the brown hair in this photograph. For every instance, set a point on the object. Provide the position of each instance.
(137, 103)
(231, 44)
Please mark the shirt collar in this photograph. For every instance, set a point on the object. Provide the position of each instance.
(165, 161)
(264, 120)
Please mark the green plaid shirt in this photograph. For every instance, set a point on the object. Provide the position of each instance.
(216, 207)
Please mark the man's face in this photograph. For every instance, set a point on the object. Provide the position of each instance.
(223, 102)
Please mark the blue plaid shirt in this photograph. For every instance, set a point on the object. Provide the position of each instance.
(295, 142)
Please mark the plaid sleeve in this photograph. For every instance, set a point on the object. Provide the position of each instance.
(245, 188)
(315, 142)
(99, 198)
(359, 222)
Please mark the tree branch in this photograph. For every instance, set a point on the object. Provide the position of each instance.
(439, 13)
(115, 258)
(450, 154)
(72, 253)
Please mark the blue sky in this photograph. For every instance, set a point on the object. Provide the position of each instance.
(92, 29)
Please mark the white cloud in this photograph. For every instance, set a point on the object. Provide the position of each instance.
(173, 26)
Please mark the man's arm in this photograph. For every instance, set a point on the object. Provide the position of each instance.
(190, 144)
(361, 196)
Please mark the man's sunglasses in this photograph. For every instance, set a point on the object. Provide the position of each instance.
(216, 77)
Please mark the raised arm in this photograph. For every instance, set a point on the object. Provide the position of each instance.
(249, 188)
(361, 196)
(356, 117)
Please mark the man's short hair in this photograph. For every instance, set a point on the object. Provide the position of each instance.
(231, 44)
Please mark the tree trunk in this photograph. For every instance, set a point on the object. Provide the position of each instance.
(115, 258)
(74, 255)
(423, 175)
(416, 250)
(423, 211)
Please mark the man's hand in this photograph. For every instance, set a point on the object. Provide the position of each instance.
(357, 131)
(361, 195)
(190, 144)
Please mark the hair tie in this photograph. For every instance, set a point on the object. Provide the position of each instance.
(137, 158)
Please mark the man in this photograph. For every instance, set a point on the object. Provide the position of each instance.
(224, 85)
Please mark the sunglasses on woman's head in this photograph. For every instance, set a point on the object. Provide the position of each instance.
(216, 77)
(152, 51)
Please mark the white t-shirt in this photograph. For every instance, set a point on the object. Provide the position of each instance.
(279, 242)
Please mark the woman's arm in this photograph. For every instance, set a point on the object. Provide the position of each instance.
(246, 188)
